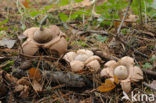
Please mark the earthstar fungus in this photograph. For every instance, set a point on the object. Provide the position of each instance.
(51, 38)
(83, 58)
(125, 70)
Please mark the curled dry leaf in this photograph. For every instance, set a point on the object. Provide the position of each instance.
(25, 92)
(25, 3)
(108, 85)
(50, 38)
(125, 70)
(35, 75)
(25, 65)
(10, 78)
(153, 84)
(23, 89)
(36, 86)
(24, 81)
(83, 57)
(21, 86)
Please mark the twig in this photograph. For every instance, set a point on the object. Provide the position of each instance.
(149, 86)
(2, 57)
(44, 57)
(78, 22)
(56, 99)
(82, 32)
(101, 99)
(151, 21)
(60, 97)
(130, 47)
(4, 64)
(43, 21)
(149, 72)
(118, 31)
(100, 53)
(9, 50)
(93, 31)
(120, 20)
(140, 13)
(138, 52)
(70, 22)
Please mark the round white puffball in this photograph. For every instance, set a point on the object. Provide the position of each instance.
(121, 72)
(81, 57)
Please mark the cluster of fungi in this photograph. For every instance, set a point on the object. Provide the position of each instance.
(53, 39)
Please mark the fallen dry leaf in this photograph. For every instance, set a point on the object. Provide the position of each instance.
(5, 42)
(108, 85)
(36, 86)
(25, 3)
(153, 84)
(34, 74)
(10, 78)
(25, 92)
(84, 3)
(132, 18)
(24, 81)
(19, 88)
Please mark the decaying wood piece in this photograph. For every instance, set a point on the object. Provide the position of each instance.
(68, 78)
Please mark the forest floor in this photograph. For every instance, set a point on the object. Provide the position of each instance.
(110, 42)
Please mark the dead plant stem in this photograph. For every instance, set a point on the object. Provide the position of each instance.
(123, 19)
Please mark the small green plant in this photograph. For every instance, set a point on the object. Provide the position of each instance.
(63, 17)
(147, 65)
(101, 38)
(2, 23)
(81, 43)
(8, 64)
(2, 33)
(153, 59)
(125, 31)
